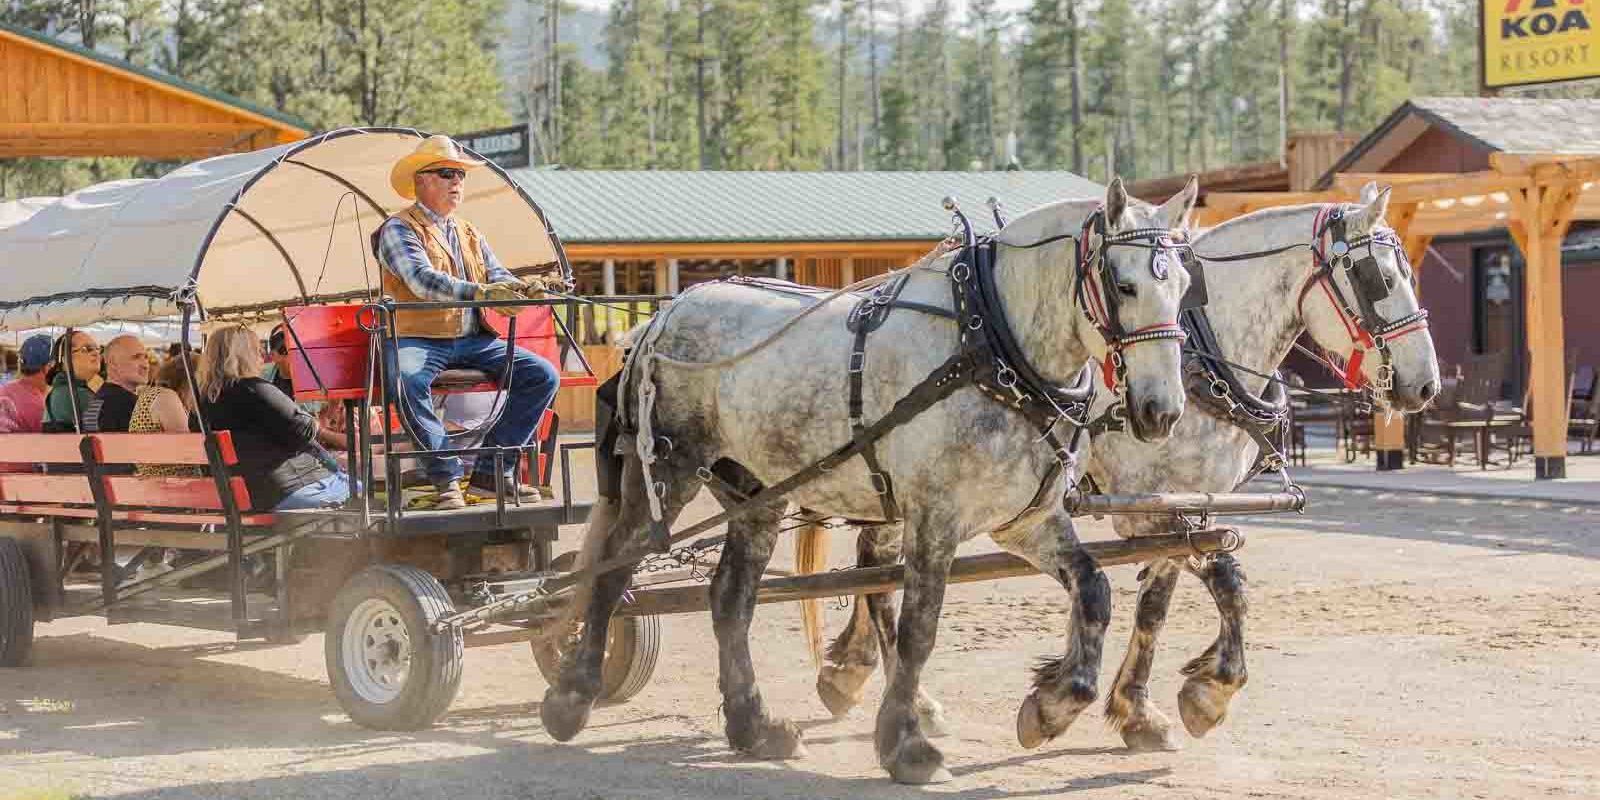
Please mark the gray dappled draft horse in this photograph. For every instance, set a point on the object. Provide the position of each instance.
(1258, 306)
(967, 465)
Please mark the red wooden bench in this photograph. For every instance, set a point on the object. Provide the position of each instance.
(88, 476)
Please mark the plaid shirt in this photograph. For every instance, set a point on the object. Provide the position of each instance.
(402, 254)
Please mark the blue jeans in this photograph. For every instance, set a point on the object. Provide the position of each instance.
(533, 385)
(330, 491)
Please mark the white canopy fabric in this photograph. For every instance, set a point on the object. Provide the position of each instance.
(15, 212)
(245, 233)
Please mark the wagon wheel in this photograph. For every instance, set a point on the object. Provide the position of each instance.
(632, 646)
(16, 605)
(388, 668)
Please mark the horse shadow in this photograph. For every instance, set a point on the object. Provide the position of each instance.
(657, 767)
(143, 701)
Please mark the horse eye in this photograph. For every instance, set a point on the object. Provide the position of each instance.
(1127, 289)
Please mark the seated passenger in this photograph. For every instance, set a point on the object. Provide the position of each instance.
(275, 439)
(330, 423)
(22, 400)
(429, 254)
(64, 408)
(127, 369)
(165, 407)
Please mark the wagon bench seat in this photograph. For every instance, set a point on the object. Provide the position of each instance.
(81, 480)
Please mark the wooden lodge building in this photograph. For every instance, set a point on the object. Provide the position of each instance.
(657, 232)
(1472, 283)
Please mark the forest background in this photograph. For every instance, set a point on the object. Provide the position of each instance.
(1140, 87)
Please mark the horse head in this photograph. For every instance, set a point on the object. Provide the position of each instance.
(1362, 302)
(1133, 276)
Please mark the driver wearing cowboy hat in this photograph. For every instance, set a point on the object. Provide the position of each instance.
(428, 253)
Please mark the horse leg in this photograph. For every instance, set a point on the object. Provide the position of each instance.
(566, 706)
(903, 748)
(854, 654)
(1063, 686)
(1218, 673)
(745, 553)
(1128, 707)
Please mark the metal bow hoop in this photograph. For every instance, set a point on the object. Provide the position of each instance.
(1099, 301)
(1367, 329)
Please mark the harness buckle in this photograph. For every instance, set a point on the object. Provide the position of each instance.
(858, 362)
(704, 474)
(960, 271)
(1006, 377)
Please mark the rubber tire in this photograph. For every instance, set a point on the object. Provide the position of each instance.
(632, 648)
(436, 663)
(16, 605)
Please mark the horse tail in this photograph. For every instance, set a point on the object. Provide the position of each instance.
(811, 556)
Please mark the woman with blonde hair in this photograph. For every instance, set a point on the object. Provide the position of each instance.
(165, 407)
(279, 458)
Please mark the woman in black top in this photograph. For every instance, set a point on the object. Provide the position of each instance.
(279, 459)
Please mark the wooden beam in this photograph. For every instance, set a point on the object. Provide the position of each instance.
(1416, 252)
(1428, 186)
(1255, 201)
(1530, 163)
(880, 580)
(1544, 213)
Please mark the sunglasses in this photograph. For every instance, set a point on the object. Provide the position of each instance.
(447, 173)
(87, 349)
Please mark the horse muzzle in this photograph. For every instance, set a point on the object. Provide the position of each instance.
(1152, 419)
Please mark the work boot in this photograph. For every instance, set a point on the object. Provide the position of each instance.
(482, 487)
(447, 497)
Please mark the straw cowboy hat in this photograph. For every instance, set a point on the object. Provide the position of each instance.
(434, 151)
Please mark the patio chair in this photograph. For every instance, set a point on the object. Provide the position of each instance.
(1516, 428)
(1463, 414)
(1585, 426)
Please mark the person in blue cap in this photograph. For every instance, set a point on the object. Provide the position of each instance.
(22, 400)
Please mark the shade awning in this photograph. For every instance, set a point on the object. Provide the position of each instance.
(244, 233)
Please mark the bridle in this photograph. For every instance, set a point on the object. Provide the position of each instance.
(1357, 309)
(1098, 299)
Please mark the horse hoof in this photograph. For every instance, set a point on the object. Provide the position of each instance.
(917, 762)
(565, 714)
(837, 700)
(1203, 705)
(781, 740)
(1146, 737)
(1031, 731)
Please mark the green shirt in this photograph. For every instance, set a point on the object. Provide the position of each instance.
(58, 405)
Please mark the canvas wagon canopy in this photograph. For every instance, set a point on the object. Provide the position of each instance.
(241, 234)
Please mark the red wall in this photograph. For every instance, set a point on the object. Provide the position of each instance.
(1439, 151)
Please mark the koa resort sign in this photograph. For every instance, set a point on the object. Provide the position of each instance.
(1539, 41)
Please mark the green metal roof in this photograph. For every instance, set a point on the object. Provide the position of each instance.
(594, 206)
(174, 82)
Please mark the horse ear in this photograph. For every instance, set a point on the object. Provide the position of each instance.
(1369, 192)
(1175, 212)
(1116, 203)
(1372, 209)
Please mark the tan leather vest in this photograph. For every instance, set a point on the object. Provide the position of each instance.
(442, 323)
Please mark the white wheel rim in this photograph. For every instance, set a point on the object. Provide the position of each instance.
(377, 651)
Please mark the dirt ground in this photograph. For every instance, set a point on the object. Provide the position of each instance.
(1399, 646)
